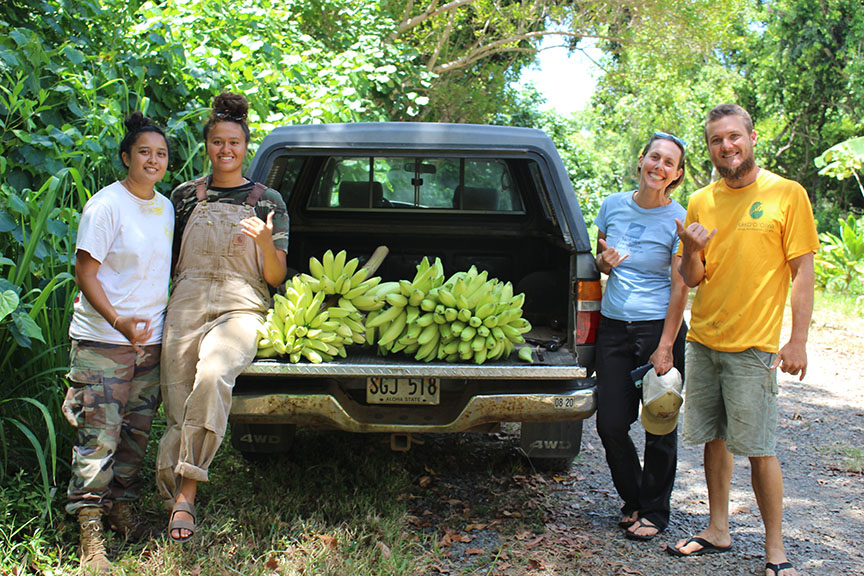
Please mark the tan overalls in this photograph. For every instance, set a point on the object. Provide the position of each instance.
(210, 335)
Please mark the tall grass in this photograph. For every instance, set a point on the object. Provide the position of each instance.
(33, 335)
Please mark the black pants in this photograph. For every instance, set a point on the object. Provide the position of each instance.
(621, 347)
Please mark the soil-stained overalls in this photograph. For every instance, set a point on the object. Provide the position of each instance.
(219, 299)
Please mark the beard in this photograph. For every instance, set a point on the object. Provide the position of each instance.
(734, 173)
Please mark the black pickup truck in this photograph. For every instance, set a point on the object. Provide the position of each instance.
(495, 197)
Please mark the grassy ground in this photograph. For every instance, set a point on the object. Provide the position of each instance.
(338, 504)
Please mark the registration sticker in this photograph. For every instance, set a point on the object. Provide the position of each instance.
(566, 402)
(380, 390)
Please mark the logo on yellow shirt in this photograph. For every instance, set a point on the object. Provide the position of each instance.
(756, 210)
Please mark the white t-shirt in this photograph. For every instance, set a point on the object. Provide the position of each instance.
(131, 238)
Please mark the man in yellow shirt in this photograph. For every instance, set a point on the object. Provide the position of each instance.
(744, 238)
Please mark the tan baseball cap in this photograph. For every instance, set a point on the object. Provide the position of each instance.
(661, 401)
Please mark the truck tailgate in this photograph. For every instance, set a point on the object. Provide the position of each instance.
(558, 365)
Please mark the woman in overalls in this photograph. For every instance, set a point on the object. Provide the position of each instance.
(233, 237)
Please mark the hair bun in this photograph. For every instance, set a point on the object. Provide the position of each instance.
(136, 121)
(231, 105)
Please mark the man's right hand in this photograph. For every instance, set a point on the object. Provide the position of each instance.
(695, 237)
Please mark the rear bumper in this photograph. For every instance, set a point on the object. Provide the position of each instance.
(329, 407)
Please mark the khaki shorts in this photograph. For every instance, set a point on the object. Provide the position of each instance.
(731, 396)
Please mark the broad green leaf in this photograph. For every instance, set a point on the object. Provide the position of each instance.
(17, 205)
(20, 338)
(27, 326)
(19, 37)
(8, 301)
(74, 56)
(7, 223)
(22, 135)
(57, 227)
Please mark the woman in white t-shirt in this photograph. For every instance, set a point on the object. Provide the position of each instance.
(122, 267)
(641, 322)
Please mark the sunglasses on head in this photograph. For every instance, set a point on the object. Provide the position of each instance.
(225, 115)
(671, 137)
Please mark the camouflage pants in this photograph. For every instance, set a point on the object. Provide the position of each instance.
(113, 396)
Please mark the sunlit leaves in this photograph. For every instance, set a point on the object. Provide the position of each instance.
(8, 298)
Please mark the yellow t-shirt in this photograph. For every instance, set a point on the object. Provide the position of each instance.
(760, 227)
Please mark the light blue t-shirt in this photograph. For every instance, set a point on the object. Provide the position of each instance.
(638, 289)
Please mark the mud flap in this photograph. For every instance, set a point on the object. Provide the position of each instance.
(551, 445)
(262, 438)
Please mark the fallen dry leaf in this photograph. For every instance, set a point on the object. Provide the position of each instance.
(272, 563)
(195, 570)
(425, 481)
(329, 541)
(385, 551)
(473, 551)
(470, 527)
(534, 542)
(534, 564)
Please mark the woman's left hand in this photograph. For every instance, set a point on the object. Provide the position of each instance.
(662, 359)
(261, 232)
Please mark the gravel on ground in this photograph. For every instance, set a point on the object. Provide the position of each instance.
(567, 521)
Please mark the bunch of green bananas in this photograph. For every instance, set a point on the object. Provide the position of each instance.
(317, 316)
(467, 317)
(334, 275)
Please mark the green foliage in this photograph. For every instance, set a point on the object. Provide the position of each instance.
(839, 263)
(26, 547)
(843, 160)
(805, 87)
(592, 173)
(796, 65)
(47, 462)
(667, 85)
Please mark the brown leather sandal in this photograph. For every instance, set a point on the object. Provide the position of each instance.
(182, 524)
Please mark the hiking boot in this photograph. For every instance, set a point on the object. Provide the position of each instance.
(92, 552)
(123, 519)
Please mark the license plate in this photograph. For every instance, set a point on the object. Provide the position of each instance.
(381, 390)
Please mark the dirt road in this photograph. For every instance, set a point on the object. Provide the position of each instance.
(565, 524)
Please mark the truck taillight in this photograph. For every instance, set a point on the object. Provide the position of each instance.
(588, 311)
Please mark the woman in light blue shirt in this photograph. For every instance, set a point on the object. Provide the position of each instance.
(642, 321)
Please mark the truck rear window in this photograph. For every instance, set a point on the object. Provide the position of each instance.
(411, 183)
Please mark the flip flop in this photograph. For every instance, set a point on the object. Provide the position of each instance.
(707, 548)
(776, 568)
(627, 523)
(182, 524)
(640, 538)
